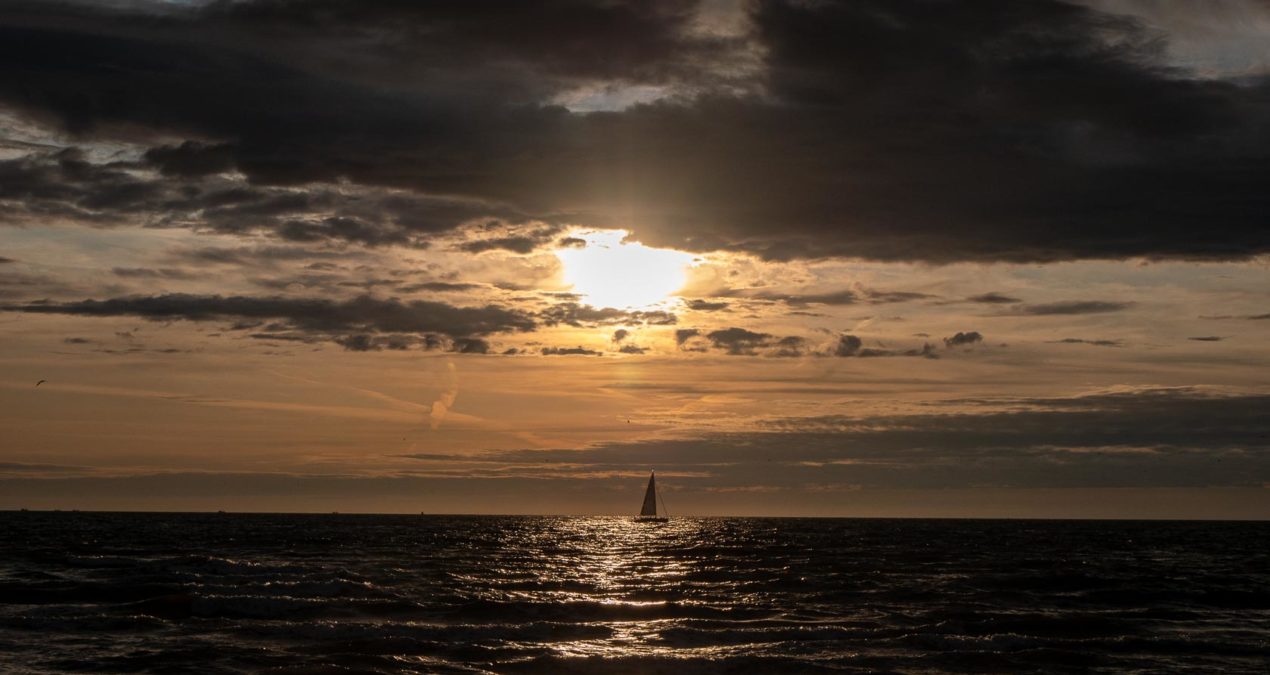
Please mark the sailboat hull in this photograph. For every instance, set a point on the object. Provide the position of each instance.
(651, 519)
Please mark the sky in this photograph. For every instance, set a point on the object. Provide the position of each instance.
(902, 258)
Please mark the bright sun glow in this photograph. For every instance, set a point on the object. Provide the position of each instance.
(610, 273)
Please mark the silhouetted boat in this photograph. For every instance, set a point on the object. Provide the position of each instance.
(648, 514)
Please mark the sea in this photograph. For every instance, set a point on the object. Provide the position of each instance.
(335, 594)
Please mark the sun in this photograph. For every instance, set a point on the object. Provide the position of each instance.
(609, 272)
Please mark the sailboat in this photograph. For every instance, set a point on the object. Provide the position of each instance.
(648, 514)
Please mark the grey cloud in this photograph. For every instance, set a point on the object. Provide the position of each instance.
(32, 468)
(344, 229)
(65, 185)
(366, 343)
(1248, 317)
(886, 297)
(927, 350)
(848, 345)
(520, 244)
(791, 346)
(471, 346)
(316, 315)
(1143, 438)
(251, 256)
(883, 129)
(516, 237)
(851, 345)
(963, 339)
(439, 287)
(1083, 341)
(1071, 307)
(1207, 338)
(739, 341)
(700, 305)
(191, 158)
(150, 273)
(993, 299)
(844, 297)
(569, 351)
(574, 314)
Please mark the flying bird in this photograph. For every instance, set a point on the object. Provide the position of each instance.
(40, 382)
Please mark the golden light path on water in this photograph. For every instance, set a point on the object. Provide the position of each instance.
(630, 581)
(610, 272)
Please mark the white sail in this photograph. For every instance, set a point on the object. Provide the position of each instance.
(650, 497)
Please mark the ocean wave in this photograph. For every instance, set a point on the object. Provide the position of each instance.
(310, 594)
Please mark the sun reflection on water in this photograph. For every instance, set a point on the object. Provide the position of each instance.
(622, 577)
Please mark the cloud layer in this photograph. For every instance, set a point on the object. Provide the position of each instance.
(895, 130)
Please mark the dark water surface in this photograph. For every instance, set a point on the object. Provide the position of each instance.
(171, 593)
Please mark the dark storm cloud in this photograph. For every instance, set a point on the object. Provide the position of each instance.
(63, 184)
(1144, 438)
(191, 158)
(885, 129)
(315, 315)
(1071, 307)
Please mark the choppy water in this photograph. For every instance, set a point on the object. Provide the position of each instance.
(385, 594)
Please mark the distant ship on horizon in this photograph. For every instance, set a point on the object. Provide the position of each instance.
(648, 513)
